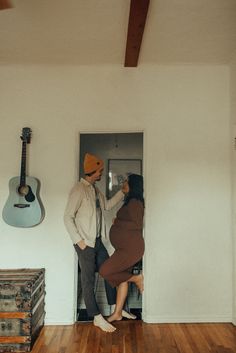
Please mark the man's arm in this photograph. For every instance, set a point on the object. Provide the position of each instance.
(73, 204)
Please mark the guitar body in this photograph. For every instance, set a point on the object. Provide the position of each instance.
(23, 209)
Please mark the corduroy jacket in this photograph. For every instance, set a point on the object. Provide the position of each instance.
(80, 212)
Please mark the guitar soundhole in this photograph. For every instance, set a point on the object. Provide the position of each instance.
(23, 190)
(26, 191)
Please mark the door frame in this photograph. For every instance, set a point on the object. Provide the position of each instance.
(143, 131)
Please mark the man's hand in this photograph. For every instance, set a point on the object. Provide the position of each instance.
(81, 244)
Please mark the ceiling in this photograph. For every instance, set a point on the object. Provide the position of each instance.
(93, 32)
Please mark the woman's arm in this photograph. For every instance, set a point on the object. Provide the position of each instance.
(109, 204)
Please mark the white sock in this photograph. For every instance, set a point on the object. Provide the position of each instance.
(100, 322)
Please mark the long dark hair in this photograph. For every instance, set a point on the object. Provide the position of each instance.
(135, 182)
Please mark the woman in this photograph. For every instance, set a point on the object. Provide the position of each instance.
(126, 237)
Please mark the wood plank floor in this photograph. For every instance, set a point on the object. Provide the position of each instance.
(138, 337)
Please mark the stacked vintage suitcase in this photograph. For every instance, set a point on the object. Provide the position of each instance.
(22, 293)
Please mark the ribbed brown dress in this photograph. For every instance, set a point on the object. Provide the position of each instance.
(126, 237)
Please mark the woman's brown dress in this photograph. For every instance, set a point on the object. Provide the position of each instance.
(126, 237)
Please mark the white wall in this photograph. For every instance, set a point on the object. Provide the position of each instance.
(233, 148)
(185, 115)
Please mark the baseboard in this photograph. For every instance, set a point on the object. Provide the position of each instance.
(150, 319)
(50, 322)
(182, 319)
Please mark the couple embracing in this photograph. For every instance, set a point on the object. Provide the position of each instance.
(85, 223)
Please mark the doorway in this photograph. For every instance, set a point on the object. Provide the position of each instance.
(122, 154)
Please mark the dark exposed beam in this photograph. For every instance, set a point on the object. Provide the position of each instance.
(137, 20)
(5, 4)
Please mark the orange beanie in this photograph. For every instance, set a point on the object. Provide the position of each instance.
(92, 163)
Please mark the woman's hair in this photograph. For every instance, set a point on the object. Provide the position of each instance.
(135, 182)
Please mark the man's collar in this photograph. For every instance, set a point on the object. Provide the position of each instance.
(85, 182)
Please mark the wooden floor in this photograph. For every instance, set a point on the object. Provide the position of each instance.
(138, 337)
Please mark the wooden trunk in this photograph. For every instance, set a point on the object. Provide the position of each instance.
(22, 293)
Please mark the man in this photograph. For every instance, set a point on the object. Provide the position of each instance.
(84, 220)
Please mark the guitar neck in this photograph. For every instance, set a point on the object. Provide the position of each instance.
(23, 165)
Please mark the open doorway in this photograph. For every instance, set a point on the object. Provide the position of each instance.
(122, 153)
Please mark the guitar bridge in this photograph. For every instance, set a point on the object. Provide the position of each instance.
(21, 205)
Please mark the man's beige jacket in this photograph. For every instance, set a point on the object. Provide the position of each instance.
(80, 213)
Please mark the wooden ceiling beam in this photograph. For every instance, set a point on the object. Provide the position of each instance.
(5, 4)
(137, 20)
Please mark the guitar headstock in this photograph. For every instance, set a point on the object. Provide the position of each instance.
(26, 134)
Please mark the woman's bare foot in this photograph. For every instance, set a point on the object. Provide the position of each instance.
(114, 317)
(100, 322)
(124, 313)
(117, 317)
(128, 315)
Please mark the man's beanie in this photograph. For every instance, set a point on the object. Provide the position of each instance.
(92, 163)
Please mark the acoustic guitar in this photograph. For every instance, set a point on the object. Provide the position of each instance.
(23, 207)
